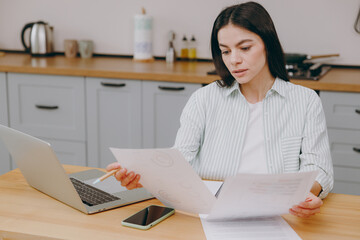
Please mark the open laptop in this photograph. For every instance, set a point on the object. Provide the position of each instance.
(43, 171)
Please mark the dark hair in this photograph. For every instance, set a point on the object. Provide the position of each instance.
(253, 17)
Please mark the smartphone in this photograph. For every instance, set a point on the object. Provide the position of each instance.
(148, 217)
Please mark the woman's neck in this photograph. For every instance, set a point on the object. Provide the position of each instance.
(255, 90)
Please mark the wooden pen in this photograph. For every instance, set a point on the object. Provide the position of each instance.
(105, 176)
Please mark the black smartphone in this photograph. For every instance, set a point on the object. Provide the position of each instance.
(148, 217)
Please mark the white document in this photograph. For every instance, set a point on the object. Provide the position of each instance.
(261, 195)
(170, 178)
(275, 228)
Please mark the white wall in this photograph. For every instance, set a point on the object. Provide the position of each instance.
(306, 26)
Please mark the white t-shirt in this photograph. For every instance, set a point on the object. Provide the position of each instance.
(253, 159)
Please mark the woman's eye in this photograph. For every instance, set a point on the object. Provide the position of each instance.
(225, 52)
(246, 48)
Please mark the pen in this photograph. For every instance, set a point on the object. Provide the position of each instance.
(102, 178)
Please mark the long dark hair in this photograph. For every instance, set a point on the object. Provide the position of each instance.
(253, 17)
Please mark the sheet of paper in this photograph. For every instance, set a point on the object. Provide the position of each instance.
(260, 195)
(213, 186)
(275, 228)
(168, 177)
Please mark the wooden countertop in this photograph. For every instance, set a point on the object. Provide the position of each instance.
(109, 67)
(338, 79)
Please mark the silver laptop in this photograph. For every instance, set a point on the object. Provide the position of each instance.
(43, 171)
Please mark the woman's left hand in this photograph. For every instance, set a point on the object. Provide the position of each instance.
(309, 207)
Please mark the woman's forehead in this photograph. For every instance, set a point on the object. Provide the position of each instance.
(235, 34)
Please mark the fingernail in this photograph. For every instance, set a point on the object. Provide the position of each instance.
(308, 199)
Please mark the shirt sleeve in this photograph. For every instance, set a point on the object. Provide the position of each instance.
(190, 134)
(315, 150)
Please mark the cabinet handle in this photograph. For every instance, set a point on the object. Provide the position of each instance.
(172, 88)
(356, 149)
(113, 84)
(47, 107)
(357, 111)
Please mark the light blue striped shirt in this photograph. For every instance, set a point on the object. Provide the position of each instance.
(214, 122)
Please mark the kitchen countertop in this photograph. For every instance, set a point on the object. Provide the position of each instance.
(337, 79)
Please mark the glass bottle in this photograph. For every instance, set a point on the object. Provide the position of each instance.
(192, 49)
(184, 54)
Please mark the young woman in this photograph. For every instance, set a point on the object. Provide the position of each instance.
(253, 120)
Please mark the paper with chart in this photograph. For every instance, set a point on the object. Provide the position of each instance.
(269, 228)
(261, 195)
(170, 178)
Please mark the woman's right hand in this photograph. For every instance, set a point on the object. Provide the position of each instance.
(129, 180)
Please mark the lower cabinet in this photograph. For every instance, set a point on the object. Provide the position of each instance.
(162, 104)
(83, 117)
(5, 162)
(51, 108)
(342, 111)
(113, 118)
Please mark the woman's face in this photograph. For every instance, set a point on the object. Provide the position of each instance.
(243, 53)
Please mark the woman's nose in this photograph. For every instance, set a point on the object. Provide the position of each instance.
(236, 57)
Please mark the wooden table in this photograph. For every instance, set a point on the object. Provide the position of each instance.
(25, 213)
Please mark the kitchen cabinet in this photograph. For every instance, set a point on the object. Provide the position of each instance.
(51, 108)
(162, 105)
(5, 162)
(342, 111)
(113, 117)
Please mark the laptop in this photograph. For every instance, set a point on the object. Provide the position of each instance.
(43, 171)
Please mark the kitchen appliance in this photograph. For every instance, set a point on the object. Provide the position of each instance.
(40, 39)
(307, 71)
(299, 66)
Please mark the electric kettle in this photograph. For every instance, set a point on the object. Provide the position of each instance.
(41, 39)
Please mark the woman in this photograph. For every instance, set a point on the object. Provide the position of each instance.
(253, 120)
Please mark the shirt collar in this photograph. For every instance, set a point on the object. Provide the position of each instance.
(232, 88)
(278, 86)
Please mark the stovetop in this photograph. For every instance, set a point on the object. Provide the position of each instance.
(304, 71)
(307, 71)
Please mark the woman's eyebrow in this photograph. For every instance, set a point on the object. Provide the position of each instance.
(238, 44)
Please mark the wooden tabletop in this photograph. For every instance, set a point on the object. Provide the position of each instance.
(25, 213)
(337, 79)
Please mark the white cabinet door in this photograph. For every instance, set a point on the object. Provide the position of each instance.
(5, 163)
(47, 106)
(342, 111)
(113, 117)
(163, 103)
(51, 108)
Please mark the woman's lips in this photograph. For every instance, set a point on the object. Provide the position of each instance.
(239, 72)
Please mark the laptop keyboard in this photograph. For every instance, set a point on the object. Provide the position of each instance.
(90, 195)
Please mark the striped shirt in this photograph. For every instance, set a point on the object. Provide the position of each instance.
(214, 122)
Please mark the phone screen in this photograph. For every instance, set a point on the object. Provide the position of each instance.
(148, 215)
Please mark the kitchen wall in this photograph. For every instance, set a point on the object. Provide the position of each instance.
(306, 26)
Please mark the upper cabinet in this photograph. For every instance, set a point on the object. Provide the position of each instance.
(5, 164)
(113, 117)
(163, 103)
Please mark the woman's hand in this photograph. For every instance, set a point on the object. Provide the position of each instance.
(129, 180)
(309, 207)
